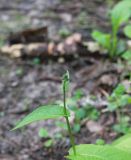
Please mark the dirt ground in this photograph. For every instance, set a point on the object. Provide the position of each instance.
(24, 85)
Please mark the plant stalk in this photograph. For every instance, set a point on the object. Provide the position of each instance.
(114, 42)
(67, 121)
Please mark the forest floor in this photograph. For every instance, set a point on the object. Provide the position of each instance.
(25, 85)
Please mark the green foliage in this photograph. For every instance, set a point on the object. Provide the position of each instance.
(100, 142)
(123, 143)
(78, 94)
(92, 112)
(48, 143)
(41, 113)
(43, 133)
(118, 98)
(127, 56)
(116, 102)
(102, 38)
(123, 126)
(81, 157)
(61, 125)
(96, 152)
(76, 127)
(120, 14)
(127, 31)
(80, 113)
(119, 150)
(64, 32)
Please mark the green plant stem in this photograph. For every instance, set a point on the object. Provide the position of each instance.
(67, 121)
(114, 43)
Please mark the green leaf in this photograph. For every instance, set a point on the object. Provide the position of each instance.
(48, 143)
(100, 141)
(96, 152)
(119, 90)
(76, 128)
(121, 128)
(61, 124)
(121, 47)
(121, 13)
(80, 113)
(127, 31)
(102, 38)
(112, 106)
(127, 55)
(123, 143)
(80, 157)
(43, 133)
(42, 113)
(78, 94)
(124, 100)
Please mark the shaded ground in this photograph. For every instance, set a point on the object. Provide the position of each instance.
(56, 14)
(24, 86)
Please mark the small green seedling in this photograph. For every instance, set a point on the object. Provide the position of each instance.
(120, 15)
(119, 98)
(48, 143)
(64, 32)
(119, 150)
(116, 102)
(43, 133)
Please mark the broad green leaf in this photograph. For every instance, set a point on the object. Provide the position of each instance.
(80, 157)
(127, 55)
(102, 38)
(121, 13)
(42, 113)
(100, 141)
(123, 143)
(96, 152)
(127, 31)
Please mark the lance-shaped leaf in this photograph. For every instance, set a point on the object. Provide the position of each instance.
(96, 152)
(42, 113)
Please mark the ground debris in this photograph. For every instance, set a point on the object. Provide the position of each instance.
(70, 46)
